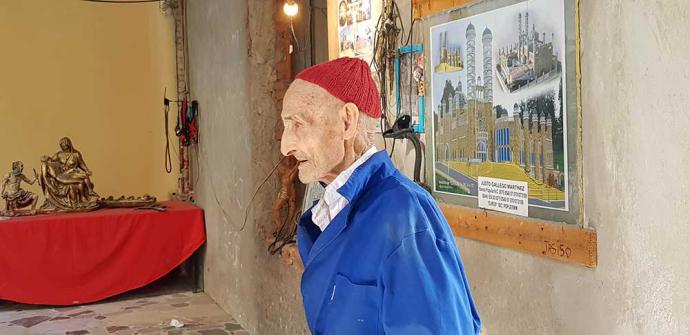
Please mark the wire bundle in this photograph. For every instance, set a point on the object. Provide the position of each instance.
(390, 34)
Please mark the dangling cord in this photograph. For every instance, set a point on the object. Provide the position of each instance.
(392, 149)
(249, 205)
(292, 28)
(202, 157)
(168, 159)
(280, 240)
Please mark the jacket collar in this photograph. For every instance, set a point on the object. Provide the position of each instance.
(378, 167)
(332, 202)
(375, 169)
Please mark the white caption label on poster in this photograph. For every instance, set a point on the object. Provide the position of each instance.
(503, 195)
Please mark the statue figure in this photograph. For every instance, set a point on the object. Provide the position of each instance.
(66, 181)
(11, 190)
(287, 171)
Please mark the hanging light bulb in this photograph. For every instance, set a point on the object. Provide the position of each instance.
(290, 8)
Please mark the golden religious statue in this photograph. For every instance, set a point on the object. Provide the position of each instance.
(66, 181)
(11, 190)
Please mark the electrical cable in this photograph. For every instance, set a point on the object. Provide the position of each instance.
(390, 33)
(399, 18)
(166, 110)
(168, 158)
(224, 214)
(246, 211)
(385, 145)
(198, 167)
(392, 149)
(185, 41)
(410, 68)
(376, 39)
(312, 49)
(387, 38)
(294, 36)
(373, 63)
(409, 35)
(274, 248)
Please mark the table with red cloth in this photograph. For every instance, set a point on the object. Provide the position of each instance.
(75, 258)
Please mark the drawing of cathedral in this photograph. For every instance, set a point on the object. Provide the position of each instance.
(451, 58)
(529, 60)
(465, 121)
(469, 129)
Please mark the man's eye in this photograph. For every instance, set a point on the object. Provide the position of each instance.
(291, 124)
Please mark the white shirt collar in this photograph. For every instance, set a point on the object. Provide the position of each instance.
(332, 202)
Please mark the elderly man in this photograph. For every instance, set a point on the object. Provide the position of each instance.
(379, 257)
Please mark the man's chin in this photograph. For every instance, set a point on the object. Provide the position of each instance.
(305, 177)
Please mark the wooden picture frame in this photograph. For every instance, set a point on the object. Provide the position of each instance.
(562, 237)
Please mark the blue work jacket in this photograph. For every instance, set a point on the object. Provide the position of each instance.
(386, 264)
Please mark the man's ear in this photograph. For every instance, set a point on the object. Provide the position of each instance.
(350, 113)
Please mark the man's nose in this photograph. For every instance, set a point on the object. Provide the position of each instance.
(287, 144)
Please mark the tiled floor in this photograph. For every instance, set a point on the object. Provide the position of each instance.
(146, 311)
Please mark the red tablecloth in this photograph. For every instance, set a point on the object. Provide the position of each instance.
(74, 258)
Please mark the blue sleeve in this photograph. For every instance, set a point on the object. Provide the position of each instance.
(425, 290)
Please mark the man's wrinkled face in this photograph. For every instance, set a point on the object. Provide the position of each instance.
(314, 131)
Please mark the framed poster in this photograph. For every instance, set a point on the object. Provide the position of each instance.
(355, 29)
(503, 103)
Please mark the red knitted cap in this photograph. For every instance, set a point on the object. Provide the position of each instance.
(348, 79)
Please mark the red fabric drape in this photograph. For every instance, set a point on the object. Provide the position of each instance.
(74, 258)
